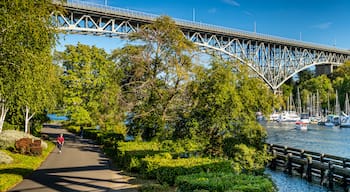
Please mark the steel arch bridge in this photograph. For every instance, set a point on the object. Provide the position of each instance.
(274, 59)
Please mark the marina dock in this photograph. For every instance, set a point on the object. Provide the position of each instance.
(325, 169)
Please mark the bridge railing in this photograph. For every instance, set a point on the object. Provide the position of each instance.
(147, 17)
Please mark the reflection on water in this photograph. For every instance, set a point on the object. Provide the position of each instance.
(333, 141)
(286, 183)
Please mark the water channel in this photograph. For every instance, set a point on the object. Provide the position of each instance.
(334, 141)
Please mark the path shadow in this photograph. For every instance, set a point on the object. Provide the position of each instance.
(51, 178)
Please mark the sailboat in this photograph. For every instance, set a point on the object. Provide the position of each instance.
(316, 117)
(334, 119)
(289, 116)
(304, 117)
(345, 122)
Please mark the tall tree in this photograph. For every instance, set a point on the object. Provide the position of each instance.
(155, 71)
(26, 38)
(225, 104)
(91, 87)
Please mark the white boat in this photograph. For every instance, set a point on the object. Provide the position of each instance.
(345, 122)
(288, 117)
(332, 120)
(274, 116)
(305, 118)
(301, 125)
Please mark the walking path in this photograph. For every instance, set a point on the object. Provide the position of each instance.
(80, 167)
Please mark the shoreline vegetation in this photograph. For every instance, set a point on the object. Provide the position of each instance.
(177, 166)
(156, 166)
(189, 119)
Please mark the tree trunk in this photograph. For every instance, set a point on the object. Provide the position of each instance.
(4, 110)
(27, 119)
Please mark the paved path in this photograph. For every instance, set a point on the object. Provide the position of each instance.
(80, 167)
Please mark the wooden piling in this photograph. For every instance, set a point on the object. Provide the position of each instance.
(273, 163)
(309, 169)
(289, 164)
(330, 175)
(329, 169)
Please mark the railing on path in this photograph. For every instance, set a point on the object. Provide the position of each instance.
(314, 167)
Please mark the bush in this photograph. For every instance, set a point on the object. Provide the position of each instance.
(154, 187)
(165, 170)
(5, 159)
(90, 133)
(250, 160)
(8, 138)
(181, 148)
(129, 154)
(224, 182)
(72, 128)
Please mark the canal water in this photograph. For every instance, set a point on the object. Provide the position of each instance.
(333, 141)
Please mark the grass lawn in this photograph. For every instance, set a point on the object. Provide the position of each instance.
(22, 165)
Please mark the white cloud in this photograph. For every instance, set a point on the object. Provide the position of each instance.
(248, 13)
(232, 2)
(325, 25)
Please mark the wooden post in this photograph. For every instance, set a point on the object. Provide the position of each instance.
(322, 170)
(285, 150)
(330, 174)
(302, 166)
(345, 179)
(309, 169)
(289, 163)
(273, 163)
(302, 156)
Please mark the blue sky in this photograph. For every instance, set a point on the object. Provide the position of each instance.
(325, 22)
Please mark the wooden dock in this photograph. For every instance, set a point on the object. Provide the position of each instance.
(325, 169)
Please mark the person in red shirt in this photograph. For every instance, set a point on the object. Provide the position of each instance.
(60, 142)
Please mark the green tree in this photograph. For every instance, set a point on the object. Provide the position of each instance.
(225, 104)
(91, 91)
(26, 38)
(305, 75)
(155, 72)
(217, 104)
(321, 84)
(341, 82)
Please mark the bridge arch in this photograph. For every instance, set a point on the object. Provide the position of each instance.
(274, 59)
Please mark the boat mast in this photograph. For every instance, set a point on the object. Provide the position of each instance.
(299, 102)
(328, 105)
(337, 106)
(317, 104)
(346, 104)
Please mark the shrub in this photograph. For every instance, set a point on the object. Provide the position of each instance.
(5, 159)
(224, 182)
(90, 133)
(165, 170)
(9, 137)
(72, 128)
(129, 154)
(154, 187)
(250, 160)
(181, 148)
